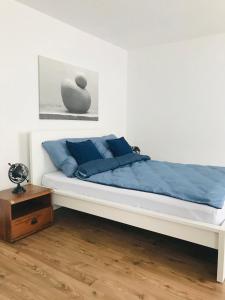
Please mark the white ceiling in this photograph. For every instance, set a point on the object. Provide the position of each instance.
(138, 23)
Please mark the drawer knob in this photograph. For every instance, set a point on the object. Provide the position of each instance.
(34, 221)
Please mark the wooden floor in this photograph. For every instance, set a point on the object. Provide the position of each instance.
(85, 257)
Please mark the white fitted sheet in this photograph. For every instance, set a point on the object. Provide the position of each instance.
(149, 201)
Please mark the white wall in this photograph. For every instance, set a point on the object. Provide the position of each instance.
(176, 106)
(25, 34)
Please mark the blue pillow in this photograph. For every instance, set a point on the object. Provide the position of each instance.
(83, 151)
(61, 157)
(119, 146)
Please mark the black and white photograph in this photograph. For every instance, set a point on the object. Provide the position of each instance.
(67, 92)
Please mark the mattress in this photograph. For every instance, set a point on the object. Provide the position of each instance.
(149, 201)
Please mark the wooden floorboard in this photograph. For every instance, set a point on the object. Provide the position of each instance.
(85, 257)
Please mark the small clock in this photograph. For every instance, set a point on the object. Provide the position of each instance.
(136, 149)
(18, 173)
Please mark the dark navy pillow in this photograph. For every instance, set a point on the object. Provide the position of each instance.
(83, 151)
(119, 146)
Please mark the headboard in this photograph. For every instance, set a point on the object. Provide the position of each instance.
(40, 162)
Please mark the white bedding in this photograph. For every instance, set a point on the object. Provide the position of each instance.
(149, 201)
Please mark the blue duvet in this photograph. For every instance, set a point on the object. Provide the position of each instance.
(194, 183)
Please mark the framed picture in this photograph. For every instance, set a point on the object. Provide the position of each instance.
(67, 92)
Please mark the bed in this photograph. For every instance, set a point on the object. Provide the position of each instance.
(193, 222)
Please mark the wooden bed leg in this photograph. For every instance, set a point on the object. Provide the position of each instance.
(221, 257)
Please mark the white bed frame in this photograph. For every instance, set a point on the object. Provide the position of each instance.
(197, 232)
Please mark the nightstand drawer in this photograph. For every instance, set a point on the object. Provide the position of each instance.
(31, 223)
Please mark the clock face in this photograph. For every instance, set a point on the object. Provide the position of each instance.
(18, 173)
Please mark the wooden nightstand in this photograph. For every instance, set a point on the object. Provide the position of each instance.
(24, 214)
